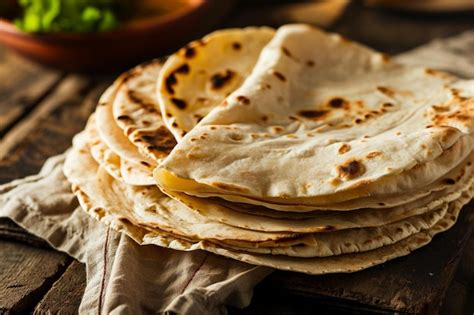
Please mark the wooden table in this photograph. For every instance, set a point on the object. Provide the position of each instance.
(41, 109)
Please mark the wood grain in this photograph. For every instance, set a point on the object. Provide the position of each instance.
(414, 284)
(460, 294)
(42, 121)
(23, 85)
(66, 293)
(394, 32)
(26, 274)
(49, 128)
(9, 230)
(46, 131)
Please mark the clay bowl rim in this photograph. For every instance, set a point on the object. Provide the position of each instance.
(138, 26)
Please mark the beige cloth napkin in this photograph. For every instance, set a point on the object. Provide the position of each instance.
(122, 276)
(126, 278)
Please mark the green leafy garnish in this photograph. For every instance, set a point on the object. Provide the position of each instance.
(68, 15)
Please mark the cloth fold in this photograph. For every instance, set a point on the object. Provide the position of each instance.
(122, 276)
(126, 278)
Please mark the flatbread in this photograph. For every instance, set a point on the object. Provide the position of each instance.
(137, 112)
(316, 265)
(321, 119)
(121, 169)
(290, 164)
(259, 219)
(198, 77)
(386, 192)
(324, 221)
(110, 133)
(350, 262)
(150, 208)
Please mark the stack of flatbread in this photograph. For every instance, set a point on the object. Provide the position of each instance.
(291, 148)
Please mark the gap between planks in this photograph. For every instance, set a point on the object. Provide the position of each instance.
(19, 113)
(24, 85)
(65, 295)
(27, 274)
(48, 129)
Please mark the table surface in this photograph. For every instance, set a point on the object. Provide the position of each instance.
(41, 109)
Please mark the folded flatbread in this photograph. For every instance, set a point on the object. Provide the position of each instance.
(322, 120)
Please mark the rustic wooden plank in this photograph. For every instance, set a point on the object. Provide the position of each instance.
(26, 273)
(9, 230)
(460, 294)
(49, 128)
(46, 131)
(393, 31)
(277, 296)
(460, 300)
(413, 284)
(350, 27)
(465, 272)
(24, 84)
(66, 293)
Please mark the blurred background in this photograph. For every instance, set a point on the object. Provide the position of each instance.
(111, 35)
(42, 105)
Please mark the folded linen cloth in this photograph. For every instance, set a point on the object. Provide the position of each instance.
(124, 277)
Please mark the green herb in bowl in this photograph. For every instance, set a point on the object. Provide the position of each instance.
(42, 16)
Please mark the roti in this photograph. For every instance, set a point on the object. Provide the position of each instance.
(300, 110)
(137, 113)
(199, 76)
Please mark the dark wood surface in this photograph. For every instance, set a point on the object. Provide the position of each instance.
(41, 109)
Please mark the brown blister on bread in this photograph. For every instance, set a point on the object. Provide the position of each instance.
(336, 181)
(160, 141)
(277, 129)
(235, 136)
(230, 187)
(312, 114)
(280, 76)
(219, 80)
(243, 100)
(457, 95)
(236, 46)
(189, 51)
(438, 108)
(351, 169)
(338, 102)
(135, 98)
(286, 51)
(344, 148)
(171, 79)
(462, 115)
(373, 154)
(179, 103)
(386, 90)
(144, 163)
(124, 118)
(449, 181)
(198, 117)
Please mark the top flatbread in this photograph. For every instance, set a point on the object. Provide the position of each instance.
(198, 77)
(320, 116)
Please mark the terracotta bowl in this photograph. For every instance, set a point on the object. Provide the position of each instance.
(140, 39)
